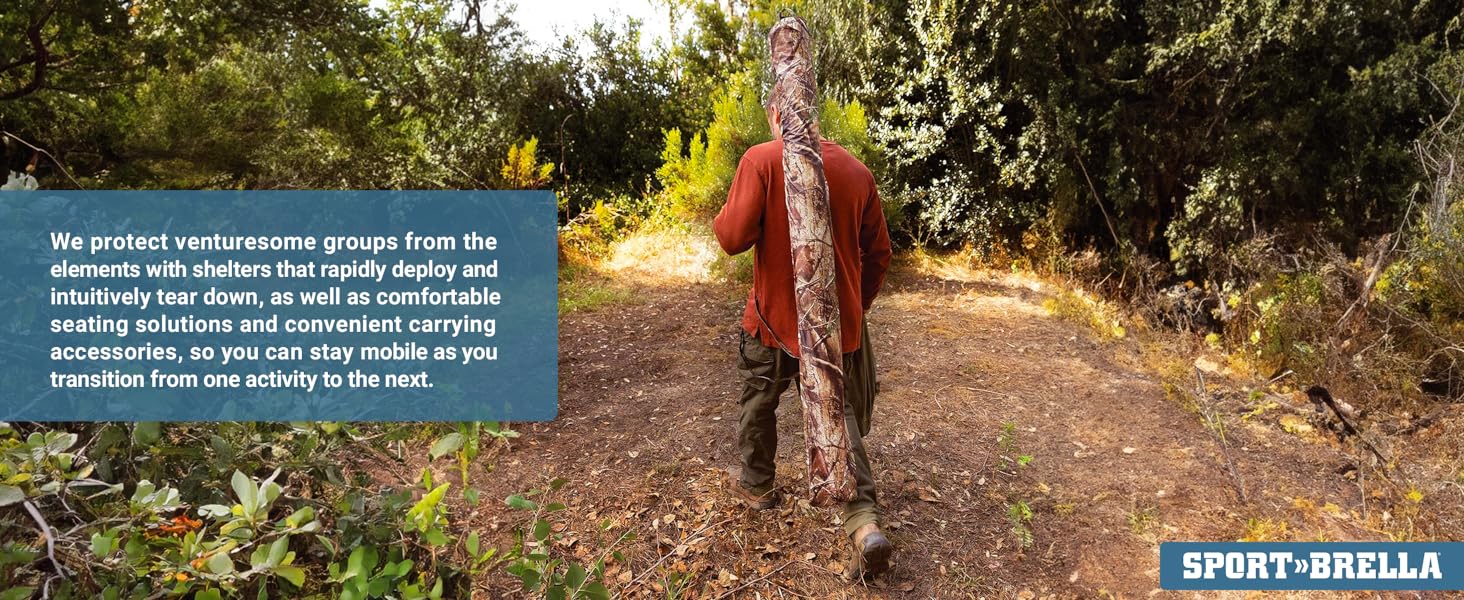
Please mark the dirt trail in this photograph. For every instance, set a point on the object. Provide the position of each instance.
(647, 427)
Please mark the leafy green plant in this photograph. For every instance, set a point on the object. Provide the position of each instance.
(1011, 456)
(365, 575)
(427, 516)
(1019, 516)
(675, 583)
(251, 536)
(480, 558)
(40, 465)
(533, 561)
(464, 445)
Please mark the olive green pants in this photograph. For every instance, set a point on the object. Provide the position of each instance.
(766, 373)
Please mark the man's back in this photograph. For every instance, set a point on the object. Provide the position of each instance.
(756, 215)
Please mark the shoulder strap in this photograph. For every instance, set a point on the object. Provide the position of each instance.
(757, 308)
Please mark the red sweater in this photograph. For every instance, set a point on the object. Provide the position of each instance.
(756, 216)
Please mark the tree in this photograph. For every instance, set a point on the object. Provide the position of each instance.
(1168, 129)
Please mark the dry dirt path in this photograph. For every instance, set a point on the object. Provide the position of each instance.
(645, 436)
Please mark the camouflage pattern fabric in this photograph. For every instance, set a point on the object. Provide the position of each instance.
(831, 479)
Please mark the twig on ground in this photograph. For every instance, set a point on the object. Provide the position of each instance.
(1217, 429)
(749, 582)
(646, 571)
(45, 532)
(1320, 394)
(1419, 423)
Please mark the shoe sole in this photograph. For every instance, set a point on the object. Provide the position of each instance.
(875, 558)
(763, 504)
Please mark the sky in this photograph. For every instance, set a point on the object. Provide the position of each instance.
(546, 21)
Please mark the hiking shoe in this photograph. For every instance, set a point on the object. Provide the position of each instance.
(872, 551)
(755, 499)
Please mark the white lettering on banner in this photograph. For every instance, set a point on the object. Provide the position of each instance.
(1364, 565)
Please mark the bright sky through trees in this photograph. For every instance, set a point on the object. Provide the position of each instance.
(546, 21)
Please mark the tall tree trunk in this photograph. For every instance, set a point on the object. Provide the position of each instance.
(821, 370)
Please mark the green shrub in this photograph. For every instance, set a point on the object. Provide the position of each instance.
(1290, 320)
(142, 510)
(695, 174)
(695, 180)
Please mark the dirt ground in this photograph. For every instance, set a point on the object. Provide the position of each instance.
(978, 377)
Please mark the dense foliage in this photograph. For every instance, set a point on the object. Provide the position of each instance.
(325, 95)
(268, 510)
(1282, 174)
(1173, 131)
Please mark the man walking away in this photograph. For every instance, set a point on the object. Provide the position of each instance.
(756, 216)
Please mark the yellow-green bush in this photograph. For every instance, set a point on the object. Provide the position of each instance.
(521, 170)
(695, 180)
(695, 174)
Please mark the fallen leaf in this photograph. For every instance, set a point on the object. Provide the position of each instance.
(1295, 424)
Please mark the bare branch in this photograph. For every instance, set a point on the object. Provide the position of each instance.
(53, 158)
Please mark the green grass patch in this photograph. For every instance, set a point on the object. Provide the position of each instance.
(581, 289)
(580, 296)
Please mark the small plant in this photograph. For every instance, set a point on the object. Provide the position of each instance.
(1143, 520)
(480, 559)
(1012, 458)
(521, 170)
(1019, 515)
(462, 443)
(532, 560)
(427, 517)
(675, 583)
(364, 576)
(1081, 307)
(1265, 530)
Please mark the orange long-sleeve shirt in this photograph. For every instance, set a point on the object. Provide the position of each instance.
(756, 215)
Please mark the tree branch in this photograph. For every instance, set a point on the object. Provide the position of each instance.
(39, 58)
(53, 158)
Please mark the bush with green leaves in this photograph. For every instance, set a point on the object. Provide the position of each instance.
(543, 572)
(229, 510)
(695, 174)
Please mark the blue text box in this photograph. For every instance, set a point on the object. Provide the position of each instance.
(73, 340)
